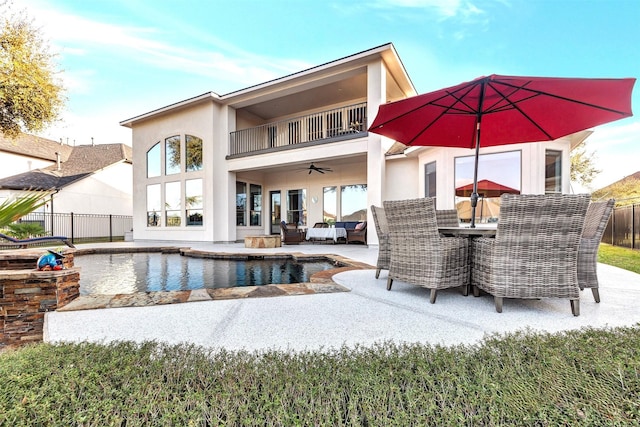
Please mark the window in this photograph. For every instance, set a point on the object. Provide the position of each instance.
(193, 160)
(172, 155)
(153, 161)
(172, 204)
(241, 203)
(553, 172)
(329, 208)
(175, 200)
(498, 173)
(255, 204)
(193, 201)
(297, 206)
(430, 179)
(353, 202)
(154, 207)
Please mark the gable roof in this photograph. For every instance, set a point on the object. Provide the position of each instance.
(34, 146)
(83, 161)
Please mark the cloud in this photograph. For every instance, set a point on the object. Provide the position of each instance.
(444, 9)
(80, 36)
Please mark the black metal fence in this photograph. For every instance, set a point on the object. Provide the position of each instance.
(81, 228)
(623, 228)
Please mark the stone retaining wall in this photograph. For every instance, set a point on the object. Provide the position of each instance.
(26, 294)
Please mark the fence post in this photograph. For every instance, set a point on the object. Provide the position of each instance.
(72, 227)
(633, 226)
(110, 227)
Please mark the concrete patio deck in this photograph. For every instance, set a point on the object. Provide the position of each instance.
(365, 315)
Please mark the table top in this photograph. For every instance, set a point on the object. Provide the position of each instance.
(326, 233)
(467, 231)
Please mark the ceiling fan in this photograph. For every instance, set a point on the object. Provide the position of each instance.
(318, 169)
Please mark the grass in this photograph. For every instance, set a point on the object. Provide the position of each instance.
(625, 258)
(587, 377)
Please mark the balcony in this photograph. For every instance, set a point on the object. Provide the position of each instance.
(318, 128)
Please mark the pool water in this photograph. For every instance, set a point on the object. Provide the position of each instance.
(108, 274)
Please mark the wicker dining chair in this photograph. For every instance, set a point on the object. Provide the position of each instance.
(598, 216)
(384, 245)
(535, 251)
(419, 255)
(447, 218)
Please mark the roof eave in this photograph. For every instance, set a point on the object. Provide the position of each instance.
(209, 96)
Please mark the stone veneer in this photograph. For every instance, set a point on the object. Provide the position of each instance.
(26, 294)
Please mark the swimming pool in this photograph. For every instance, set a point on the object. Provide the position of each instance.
(126, 273)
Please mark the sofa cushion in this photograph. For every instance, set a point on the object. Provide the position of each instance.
(359, 226)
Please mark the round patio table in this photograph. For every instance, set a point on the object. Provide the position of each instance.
(468, 231)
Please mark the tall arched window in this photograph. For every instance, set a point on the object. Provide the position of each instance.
(153, 161)
(175, 197)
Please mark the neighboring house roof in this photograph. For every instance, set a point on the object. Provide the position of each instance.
(83, 161)
(34, 146)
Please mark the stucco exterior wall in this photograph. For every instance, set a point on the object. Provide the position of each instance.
(196, 121)
(14, 164)
(108, 191)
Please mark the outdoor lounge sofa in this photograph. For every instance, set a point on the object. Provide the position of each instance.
(535, 252)
(384, 244)
(419, 254)
(358, 233)
(595, 223)
(350, 226)
(23, 243)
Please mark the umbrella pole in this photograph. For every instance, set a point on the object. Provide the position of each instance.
(474, 194)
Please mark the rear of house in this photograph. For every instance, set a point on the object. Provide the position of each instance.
(296, 149)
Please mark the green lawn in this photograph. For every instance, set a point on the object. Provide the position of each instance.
(586, 378)
(628, 259)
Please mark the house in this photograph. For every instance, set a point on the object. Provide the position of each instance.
(85, 179)
(29, 152)
(221, 167)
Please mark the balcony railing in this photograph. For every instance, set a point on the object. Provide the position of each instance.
(317, 128)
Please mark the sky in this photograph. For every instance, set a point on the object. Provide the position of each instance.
(122, 58)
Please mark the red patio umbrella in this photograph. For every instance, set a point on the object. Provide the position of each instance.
(486, 188)
(506, 110)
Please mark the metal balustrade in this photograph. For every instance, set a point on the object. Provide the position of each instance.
(82, 227)
(317, 128)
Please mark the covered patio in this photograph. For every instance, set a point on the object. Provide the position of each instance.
(367, 314)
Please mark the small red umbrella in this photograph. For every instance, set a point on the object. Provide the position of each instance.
(506, 110)
(486, 188)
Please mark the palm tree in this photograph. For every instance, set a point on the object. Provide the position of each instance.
(13, 209)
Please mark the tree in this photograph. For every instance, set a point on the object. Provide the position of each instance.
(626, 191)
(583, 170)
(30, 95)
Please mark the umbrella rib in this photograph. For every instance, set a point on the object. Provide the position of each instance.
(536, 92)
(445, 110)
(515, 106)
(434, 102)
